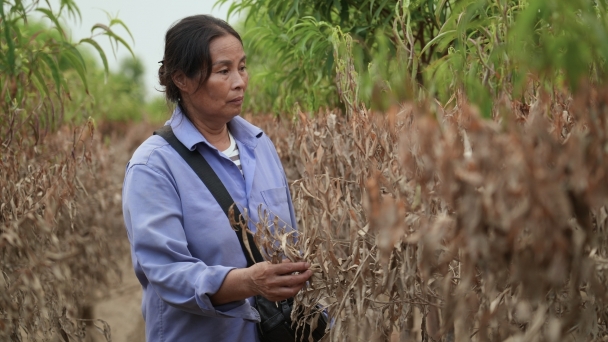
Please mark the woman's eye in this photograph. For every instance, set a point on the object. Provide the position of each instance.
(224, 72)
(243, 68)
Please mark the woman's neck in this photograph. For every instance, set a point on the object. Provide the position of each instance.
(216, 133)
(217, 137)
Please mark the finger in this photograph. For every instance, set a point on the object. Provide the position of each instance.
(302, 277)
(290, 267)
(295, 288)
(283, 293)
(294, 280)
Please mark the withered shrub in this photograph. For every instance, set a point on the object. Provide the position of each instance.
(61, 233)
(61, 228)
(431, 224)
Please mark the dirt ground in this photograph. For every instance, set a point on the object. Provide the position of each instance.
(122, 310)
(121, 306)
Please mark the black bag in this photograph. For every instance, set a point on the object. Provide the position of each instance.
(275, 324)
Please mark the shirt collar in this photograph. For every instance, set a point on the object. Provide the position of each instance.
(187, 134)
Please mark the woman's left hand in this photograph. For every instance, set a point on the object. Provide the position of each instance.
(276, 282)
(272, 281)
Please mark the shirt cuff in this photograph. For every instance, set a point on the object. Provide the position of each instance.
(208, 284)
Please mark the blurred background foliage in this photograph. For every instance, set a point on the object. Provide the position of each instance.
(417, 49)
(394, 50)
(47, 79)
(121, 97)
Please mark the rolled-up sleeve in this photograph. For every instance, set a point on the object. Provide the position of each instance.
(154, 218)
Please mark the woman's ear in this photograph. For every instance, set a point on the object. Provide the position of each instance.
(180, 80)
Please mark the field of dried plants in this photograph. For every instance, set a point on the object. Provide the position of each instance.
(62, 239)
(61, 231)
(428, 223)
(424, 223)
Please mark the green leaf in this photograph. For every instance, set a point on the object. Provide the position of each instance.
(10, 52)
(292, 10)
(100, 51)
(73, 10)
(74, 56)
(42, 83)
(71, 49)
(108, 32)
(53, 18)
(382, 5)
(119, 22)
(52, 64)
(438, 37)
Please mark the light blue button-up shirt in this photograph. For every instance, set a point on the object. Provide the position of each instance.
(182, 243)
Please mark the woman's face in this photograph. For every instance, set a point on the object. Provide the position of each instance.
(220, 98)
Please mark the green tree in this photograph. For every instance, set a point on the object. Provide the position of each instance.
(37, 63)
(414, 49)
(293, 44)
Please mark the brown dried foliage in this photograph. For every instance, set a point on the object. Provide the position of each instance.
(61, 233)
(432, 224)
(422, 224)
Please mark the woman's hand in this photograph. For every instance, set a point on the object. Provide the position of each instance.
(276, 282)
(273, 281)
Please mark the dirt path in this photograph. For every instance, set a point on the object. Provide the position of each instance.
(120, 307)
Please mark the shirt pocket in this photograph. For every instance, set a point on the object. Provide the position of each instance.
(278, 204)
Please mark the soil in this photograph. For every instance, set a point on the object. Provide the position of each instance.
(120, 307)
(122, 310)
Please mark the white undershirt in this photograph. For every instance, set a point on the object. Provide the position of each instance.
(232, 152)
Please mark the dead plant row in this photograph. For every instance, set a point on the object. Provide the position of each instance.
(428, 223)
(61, 232)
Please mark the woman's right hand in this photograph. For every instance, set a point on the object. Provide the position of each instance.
(277, 282)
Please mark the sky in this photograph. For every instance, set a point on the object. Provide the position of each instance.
(148, 21)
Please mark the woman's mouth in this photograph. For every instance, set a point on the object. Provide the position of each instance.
(237, 101)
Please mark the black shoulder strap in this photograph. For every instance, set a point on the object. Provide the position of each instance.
(203, 170)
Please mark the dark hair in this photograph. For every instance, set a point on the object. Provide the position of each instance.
(187, 50)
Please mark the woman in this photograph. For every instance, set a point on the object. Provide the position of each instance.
(196, 286)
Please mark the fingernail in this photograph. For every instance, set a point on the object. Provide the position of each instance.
(307, 265)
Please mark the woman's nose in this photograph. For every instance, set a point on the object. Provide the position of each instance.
(239, 80)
